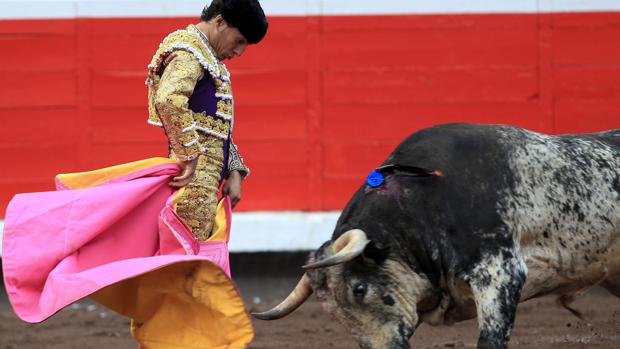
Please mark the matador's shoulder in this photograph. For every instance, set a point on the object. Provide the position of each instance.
(190, 40)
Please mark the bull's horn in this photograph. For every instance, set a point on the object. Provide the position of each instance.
(299, 295)
(348, 246)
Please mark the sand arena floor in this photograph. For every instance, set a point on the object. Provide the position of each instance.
(540, 324)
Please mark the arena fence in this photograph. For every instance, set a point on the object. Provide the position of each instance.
(332, 89)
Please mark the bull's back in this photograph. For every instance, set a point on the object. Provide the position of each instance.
(536, 182)
(557, 195)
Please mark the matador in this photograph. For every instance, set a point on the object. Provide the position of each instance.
(190, 96)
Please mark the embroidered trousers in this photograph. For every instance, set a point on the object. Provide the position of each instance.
(198, 201)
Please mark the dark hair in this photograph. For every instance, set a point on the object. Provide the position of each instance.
(212, 10)
(245, 15)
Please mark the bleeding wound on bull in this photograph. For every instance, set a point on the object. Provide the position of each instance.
(376, 177)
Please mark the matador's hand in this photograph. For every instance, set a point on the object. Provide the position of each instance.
(232, 187)
(187, 173)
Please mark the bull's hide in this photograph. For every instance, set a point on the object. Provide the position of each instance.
(467, 220)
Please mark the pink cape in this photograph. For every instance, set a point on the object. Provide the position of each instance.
(114, 234)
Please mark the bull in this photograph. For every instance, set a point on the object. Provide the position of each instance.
(465, 221)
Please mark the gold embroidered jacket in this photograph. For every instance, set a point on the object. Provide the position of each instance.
(183, 59)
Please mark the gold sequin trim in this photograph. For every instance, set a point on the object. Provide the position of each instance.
(224, 107)
(223, 88)
(208, 123)
(198, 203)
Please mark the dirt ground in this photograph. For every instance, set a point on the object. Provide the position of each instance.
(540, 324)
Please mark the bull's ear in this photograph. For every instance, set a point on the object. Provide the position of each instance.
(377, 251)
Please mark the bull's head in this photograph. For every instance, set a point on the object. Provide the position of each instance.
(379, 299)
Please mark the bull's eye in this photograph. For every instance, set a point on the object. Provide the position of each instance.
(359, 291)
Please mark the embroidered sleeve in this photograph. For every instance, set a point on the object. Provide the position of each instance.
(171, 100)
(235, 161)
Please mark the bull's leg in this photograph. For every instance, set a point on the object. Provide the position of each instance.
(496, 284)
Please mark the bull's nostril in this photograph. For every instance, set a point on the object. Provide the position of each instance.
(359, 291)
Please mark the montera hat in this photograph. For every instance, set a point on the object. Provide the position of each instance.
(247, 16)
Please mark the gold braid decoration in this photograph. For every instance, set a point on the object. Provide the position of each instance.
(208, 122)
(223, 88)
(198, 203)
(225, 107)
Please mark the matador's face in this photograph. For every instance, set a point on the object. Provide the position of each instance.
(228, 41)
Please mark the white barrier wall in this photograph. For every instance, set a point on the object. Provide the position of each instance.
(274, 231)
(281, 231)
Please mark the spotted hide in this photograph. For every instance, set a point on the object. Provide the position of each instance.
(469, 221)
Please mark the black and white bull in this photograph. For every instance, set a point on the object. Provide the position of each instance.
(469, 221)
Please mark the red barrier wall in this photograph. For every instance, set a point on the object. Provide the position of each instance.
(320, 102)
